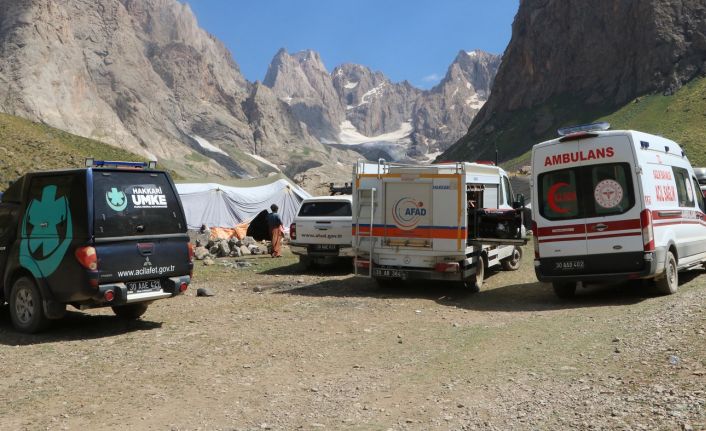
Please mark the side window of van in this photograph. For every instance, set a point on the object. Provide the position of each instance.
(685, 191)
(699, 196)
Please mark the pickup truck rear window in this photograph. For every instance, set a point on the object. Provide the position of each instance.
(586, 191)
(134, 203)
(325, 209)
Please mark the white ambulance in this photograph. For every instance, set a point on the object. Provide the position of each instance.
(439, 222)
(612, 205)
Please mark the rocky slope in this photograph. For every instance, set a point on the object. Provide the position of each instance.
(142, 75)
(361, 108)
(574, 61)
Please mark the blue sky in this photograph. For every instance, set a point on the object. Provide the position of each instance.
(414, 40)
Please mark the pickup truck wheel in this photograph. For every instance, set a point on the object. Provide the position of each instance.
(564, 290)
(305, 262)
(26, 308)
(512, 263)
(669, 282)
(130, 311)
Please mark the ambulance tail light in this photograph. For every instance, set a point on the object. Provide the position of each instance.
(535, 239)
(648, 237)
(293, 231)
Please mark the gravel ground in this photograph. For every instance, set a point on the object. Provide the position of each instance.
(280, 349)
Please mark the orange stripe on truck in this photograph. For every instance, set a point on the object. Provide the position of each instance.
(428, 232)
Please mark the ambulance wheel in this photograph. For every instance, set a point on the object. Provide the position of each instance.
(512, 263)
(669, 282)
(26, 308)
(130, 311)
(564, 290)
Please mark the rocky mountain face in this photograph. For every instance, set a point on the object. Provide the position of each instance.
(142, 75)
(573, 61)
(357, 107)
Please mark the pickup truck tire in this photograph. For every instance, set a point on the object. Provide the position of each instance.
(130, 311)
(305, 262)
(564, 290)
(668, 283)
(512, 263)
(26, 307)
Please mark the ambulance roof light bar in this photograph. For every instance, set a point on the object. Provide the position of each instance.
(593, 127)
(93, 163)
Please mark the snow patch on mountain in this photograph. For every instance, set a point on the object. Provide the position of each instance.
(350, 85)
(351, 136)
(207, 145)
(265, 161)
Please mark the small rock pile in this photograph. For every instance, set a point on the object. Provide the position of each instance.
(228, 248)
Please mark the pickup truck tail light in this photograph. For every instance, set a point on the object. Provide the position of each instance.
(87, 257)
(293, 231)
(191, 252)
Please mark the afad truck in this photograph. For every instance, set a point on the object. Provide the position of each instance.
(614, 205)
(442, 222)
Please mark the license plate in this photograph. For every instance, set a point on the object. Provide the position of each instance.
(143, 286)
(389, 273)
(325, 247)
(569, 265)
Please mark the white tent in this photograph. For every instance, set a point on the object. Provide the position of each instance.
(225, 206)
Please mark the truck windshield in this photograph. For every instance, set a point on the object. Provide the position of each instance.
(133, 203)
(326, 209)
(586, 191)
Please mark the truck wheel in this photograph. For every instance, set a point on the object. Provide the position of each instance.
(26, 309)
(475, 282)
(564, 290)
(305, 262)
(512, 263)
(669, 282)
(130, 311)
(388, 283)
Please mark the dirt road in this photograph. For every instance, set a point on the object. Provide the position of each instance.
(279, 349)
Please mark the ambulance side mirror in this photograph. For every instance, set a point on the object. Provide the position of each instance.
(519, 201)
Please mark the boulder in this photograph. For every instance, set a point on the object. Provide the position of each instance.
(200, 253)
(244, 250)
(223, 248)
(213, 250)
(248, 241)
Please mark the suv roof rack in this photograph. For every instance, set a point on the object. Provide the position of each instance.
(93, 163)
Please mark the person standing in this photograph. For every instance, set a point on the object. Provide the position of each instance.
(274, 223)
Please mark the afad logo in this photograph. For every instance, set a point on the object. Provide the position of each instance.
(408, 212)
(47, 232)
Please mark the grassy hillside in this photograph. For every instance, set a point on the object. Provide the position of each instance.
(27, 146)
(680, 117)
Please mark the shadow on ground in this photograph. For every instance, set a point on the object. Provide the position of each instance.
(74, 326)
(343, 267)
(530, 296)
